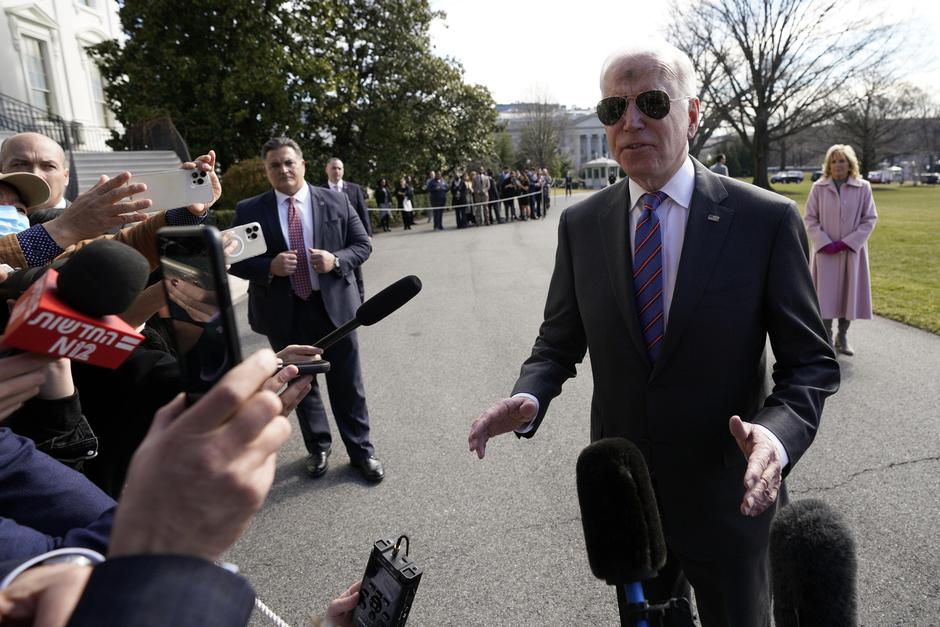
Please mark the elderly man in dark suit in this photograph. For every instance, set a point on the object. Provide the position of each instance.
(303, 288)
(673, 279)
(357, 198)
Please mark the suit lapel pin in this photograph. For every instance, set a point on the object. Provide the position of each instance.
(714, 217)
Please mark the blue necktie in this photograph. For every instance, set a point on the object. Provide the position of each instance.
(648, 274)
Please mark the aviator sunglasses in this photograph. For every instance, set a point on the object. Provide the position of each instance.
(653, 104)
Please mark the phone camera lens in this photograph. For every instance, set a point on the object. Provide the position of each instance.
(195, 175)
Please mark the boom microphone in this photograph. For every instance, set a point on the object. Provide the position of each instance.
(812, 566)
(622, 531)
(69, 312)
(375, 309)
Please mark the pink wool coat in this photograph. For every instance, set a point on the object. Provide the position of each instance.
(842, 280)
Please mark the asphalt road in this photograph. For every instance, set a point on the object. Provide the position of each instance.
(500, 540)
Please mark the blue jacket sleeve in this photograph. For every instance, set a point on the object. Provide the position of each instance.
(45, 505)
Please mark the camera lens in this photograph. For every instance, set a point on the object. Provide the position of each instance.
(195, 175)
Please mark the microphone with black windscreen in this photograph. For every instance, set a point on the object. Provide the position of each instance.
(622, 530)
(71, 312)
(375, 309)
(103, 278)
(812, 567)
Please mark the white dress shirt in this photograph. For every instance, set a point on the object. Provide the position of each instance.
(303, 204)
(673, 215)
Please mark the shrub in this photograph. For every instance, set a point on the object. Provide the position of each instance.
(242, 180)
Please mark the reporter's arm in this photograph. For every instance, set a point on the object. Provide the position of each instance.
(177, 590)
(29, 524)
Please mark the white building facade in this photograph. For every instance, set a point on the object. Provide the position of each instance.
(45, 65)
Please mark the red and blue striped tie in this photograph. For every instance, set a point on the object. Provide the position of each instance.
(648, 274)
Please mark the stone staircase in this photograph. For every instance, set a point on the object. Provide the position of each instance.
(91, 165)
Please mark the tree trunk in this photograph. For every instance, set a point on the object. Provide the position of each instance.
(760, 148)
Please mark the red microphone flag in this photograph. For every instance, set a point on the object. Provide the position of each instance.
(41, 323)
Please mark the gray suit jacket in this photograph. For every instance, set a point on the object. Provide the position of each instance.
(337, 229)
(742, 276)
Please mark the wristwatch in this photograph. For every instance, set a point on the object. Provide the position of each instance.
(337, 269)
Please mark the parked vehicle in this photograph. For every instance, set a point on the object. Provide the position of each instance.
(816, 175)
(787, 176)
(930, 178)
(879, 176)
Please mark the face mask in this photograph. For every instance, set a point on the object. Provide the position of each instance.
(11, 220)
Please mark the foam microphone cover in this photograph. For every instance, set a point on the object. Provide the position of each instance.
(813, 566)
(622, 530)
(102, 278)
(388, 300)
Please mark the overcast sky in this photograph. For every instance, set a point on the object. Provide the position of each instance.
(521, 50)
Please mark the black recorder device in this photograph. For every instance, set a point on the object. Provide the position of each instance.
(388, 587)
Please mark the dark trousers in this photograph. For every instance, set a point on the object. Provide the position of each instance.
(407, 218)
(731, 592)
(310, 322)
(492, 210)
(438, 219)
(461, 214)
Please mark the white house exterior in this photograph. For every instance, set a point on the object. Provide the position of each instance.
(45, 63)
(582, 140)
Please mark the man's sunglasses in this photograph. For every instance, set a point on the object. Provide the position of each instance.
(653, 104)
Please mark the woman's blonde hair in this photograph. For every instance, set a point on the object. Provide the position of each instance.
(849, 154)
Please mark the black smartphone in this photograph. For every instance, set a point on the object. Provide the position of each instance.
(308, 367)
(197, 294)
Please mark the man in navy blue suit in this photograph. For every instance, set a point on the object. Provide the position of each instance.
(357, 198)
(303, 288)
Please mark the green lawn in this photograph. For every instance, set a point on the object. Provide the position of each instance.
(904, 251)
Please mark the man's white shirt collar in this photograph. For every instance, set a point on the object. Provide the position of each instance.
(300, 198)
(678, 188)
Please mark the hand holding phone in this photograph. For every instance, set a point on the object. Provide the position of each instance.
(243, 242)
(198, 297)
(174, 188)
(306, 358)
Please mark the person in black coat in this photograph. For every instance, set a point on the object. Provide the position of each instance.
(405, 194)
(383, 200)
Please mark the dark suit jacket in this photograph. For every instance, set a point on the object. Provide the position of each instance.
(160, 590)
(357, 199)
(337, 229)
(743, 274)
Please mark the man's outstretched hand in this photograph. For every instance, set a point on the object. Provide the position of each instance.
(503, 416)
(764, 473)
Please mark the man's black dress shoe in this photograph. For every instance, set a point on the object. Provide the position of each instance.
(370, 467)
(317, 463)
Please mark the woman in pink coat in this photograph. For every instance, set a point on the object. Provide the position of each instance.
(840, 216)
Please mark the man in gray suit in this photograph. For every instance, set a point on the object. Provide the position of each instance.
(303, 288)
(673, 279)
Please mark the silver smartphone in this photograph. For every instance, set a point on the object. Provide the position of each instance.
(174, 188)
(243, 242)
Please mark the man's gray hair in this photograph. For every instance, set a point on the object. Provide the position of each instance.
(677, 66)
(276, 143)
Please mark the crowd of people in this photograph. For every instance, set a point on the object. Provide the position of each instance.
(477, 198)
(103, 512)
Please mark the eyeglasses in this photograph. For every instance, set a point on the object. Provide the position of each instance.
(653, 104)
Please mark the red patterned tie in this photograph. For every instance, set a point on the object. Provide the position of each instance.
(300, 280)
